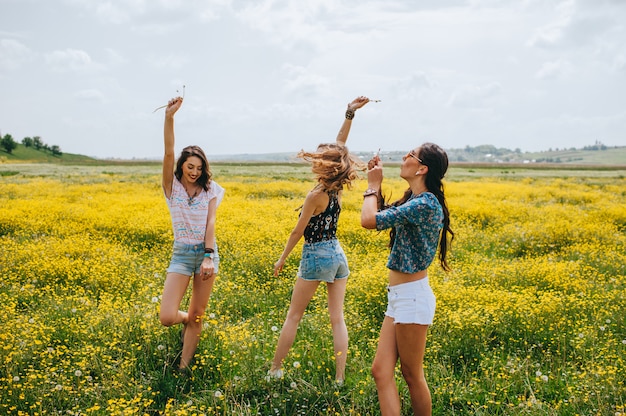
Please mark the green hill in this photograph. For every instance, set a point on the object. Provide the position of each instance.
(604, 156)
(30, 154)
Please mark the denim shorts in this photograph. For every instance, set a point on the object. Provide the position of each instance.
(323, 261)
(187, 259)
(411, 303)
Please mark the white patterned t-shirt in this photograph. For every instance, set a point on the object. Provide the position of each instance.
(189, 215)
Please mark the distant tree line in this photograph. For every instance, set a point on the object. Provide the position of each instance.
(597, 146)
(9, 144)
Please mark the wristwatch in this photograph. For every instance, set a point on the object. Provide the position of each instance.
(370, 191)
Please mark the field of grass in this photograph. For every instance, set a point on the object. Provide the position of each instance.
(530, 322)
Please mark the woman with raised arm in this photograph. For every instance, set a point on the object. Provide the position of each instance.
(323, 259)
(192, 198)
(419, 223)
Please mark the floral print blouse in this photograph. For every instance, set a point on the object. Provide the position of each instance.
(418, 223)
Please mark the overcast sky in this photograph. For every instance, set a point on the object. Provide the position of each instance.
(275, 75)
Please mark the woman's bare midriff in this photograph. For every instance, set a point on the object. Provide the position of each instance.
(397, 278)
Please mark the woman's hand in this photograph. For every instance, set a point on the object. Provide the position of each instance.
(172, 106)
(278, 266)
(374, 173)
(207, 269)
(373, 161)
(358, 102)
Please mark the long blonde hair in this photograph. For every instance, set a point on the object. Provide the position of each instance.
(333, 166)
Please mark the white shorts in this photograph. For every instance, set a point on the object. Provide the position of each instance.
(411, 303)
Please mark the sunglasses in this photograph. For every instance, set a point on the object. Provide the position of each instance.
(414, 156)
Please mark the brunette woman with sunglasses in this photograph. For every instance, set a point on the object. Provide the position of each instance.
(419, 224)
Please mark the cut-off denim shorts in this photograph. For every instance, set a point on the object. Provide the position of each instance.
(411, 303)
(323, 261)
(187, 259)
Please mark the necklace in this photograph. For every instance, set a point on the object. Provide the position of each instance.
(190, 200)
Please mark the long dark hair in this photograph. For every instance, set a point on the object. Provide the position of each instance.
(205, 177)
(436, 159)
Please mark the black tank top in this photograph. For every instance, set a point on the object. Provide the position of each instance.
(323, 226)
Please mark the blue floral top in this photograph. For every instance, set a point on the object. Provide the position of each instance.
(418, 223)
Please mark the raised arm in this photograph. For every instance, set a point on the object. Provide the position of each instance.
(168, 137)
(371, 195)
(357, 103)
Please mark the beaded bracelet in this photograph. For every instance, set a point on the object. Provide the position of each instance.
(349, 114)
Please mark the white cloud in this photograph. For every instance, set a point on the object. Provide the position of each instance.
(553, 69)
(319, 24)
(13, 54)
(90, 95)
(170, 61)
(475, 96)
(69, 60)
(619, 63)
(552, 33)
(302, 81)
(413, 86)
(114, 57)
(112, 12)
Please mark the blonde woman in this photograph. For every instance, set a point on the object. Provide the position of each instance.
(323, 259)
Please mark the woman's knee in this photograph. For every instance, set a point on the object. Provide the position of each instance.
(294, 317)
(381, 373)
(195, 317)
(167, 318)
(337, 320)
(412, 376)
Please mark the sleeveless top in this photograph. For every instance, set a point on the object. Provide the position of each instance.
(189, 215)
(323, 226)
(418, 223)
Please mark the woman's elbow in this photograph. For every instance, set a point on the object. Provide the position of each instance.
(368, 222)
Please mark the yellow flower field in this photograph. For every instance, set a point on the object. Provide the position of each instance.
(530, 322)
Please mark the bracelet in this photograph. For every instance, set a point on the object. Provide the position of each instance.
(349, 114)
(370, 192)
(209, 250)
(208, 255)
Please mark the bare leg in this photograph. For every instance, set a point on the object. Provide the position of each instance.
(201, 291)
(383, 369)
(173, 291)
(336, 295)
(303, 291)
(411, 343)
